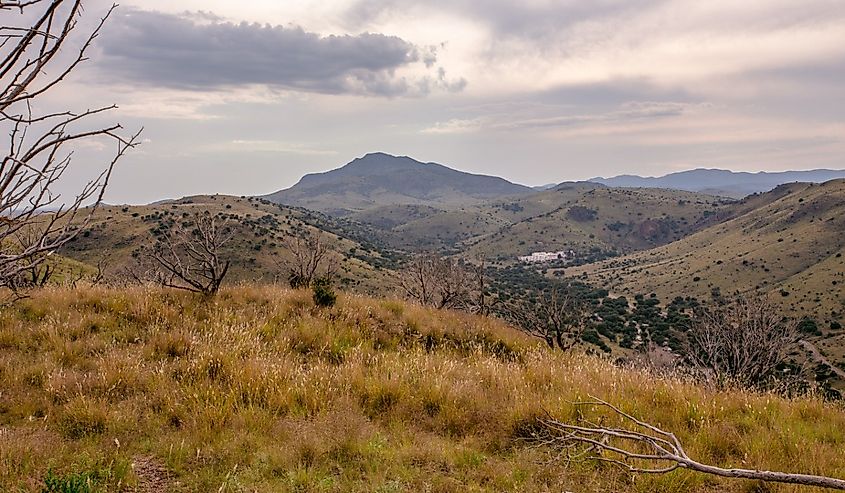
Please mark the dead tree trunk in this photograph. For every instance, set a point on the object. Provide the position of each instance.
(190, 256)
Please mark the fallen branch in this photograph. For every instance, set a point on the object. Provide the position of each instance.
(646, 449)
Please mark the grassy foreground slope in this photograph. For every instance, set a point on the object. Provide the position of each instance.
(259, 390)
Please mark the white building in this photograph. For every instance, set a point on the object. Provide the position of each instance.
(540, 257)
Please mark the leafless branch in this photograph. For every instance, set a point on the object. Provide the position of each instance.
(40, 147)
(189, 256)
(436, 281)
(742, 343)
(310, 258)
(555, 317)
(642, 448)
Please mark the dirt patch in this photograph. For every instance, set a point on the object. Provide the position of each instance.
(152, 475)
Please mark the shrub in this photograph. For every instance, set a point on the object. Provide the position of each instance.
(324, 295)
(72, 483)
(809, 326)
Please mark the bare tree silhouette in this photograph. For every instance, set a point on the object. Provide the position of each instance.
(41, 144)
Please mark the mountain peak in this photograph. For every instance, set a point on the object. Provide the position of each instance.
(382, 179)
(381, 162)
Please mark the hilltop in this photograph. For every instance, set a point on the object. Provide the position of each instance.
(380, 179)
(260, 390)
(723, 182)
(116, 234)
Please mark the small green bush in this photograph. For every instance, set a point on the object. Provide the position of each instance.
(72, 483)
(324, 294)
(809, 326)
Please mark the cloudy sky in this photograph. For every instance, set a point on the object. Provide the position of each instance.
(245, 97)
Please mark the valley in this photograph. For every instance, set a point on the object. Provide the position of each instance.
(636, 264)
(383, 246)
(619, 243)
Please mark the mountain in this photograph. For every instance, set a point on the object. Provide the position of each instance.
(791, 245)
(381, 179)
(722, 182)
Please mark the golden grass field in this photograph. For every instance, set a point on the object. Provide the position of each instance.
(259, 390)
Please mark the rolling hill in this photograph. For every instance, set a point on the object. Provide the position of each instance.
(380, 179)
(791, 246)
(583, 217)
(723, 182)
(116, 234)
(589, 218)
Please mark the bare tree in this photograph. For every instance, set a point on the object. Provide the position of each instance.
(556, 317)
(436, 281)
(481, 301)
(33, 271)
(310, 259)
(742, 343)
(40, 145)
(641, 448)
(189, 255)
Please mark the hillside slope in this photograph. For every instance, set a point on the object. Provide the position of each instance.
(259, 390)
(792, 246)
(723, 182)
(381, 179)
(116, 234)
(586, 217)
(583, 217)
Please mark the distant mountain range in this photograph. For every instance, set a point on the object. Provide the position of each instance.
(722, 182)
(377, 180)
(381, 179)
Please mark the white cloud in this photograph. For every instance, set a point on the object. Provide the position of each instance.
(277, 146)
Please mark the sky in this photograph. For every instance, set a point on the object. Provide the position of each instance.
(245, 97)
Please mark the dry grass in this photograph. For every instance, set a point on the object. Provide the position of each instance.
(258, 390)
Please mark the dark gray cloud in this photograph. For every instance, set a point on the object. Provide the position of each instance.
(198, 51)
